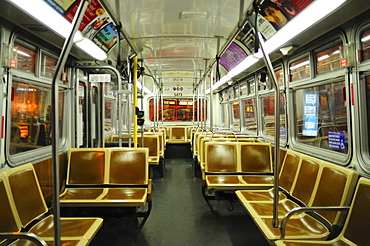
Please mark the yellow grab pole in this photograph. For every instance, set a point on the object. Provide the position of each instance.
(135, 101)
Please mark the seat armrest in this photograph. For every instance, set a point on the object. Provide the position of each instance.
(307, 209)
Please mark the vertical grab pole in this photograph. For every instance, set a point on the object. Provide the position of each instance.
(275, 220)
(68, 43)
(134, 75)
(211, 101)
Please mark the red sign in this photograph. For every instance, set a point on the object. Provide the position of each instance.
(344, 62)
(13, 63)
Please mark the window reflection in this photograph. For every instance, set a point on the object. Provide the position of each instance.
(25, 58)
(365, 42)
(321, 116)
(328, 60)
(268, 114)
(300, 69)
(249, 114)
(30, 113)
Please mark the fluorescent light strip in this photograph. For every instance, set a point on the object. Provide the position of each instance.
(48, 16)
(313, 13)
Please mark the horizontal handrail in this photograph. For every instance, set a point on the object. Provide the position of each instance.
(307, 209)
(23, 235)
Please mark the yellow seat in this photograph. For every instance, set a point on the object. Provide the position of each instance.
(22, 196)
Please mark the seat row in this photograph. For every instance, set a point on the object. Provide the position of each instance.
(313, 195)
(108, 177)
(231, 166)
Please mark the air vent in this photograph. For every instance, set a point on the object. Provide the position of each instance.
(193, 15)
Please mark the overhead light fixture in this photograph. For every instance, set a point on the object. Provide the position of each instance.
(313, 13)
(193, 15)
(56, 22)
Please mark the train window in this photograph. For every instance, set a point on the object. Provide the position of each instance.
(328, 60)
(25, 57)
(321, 116)
(30, 117)
(243, 89)
(367, 78)
(365, 43)
(300, 69)
(249, 114)
(108, 114)
(251, 86)
(178, 110)
(236, 114)
(268, 121)
(48, 65)
(225, 120)
(279, 76)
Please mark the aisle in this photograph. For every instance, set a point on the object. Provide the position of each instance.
(180, 216)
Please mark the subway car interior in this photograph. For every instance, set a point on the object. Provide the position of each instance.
(171, 122)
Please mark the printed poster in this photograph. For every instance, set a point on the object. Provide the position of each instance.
(95, 21)
(233, 55)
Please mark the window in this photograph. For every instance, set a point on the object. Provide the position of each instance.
(321, 116)
(178, 110)
(365, 44)
(30, 114)
(328, 60)
(279, 76)
(48, 65)
(367, 78)
(243, 89)
(25, 57)
(108, 114)
(268, 114)
(300, 69)
(249, 114)
(236, 114)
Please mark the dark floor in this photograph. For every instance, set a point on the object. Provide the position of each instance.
(180, 216)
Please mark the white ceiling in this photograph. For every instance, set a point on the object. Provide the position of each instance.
(170, 44)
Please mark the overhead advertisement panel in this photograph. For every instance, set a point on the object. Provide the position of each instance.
(273, 15)
(96, 24)
(233, 55)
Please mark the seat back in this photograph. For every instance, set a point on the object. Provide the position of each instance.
(335, 188)
(220, 157)
(9, 222)
(306, 179)
(255, 157)
(26, 192)
(357, 224)
(289, 170)
(152, 143)
(128, 166)
(86, 166)
(178, 133)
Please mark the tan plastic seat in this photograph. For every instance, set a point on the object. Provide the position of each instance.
(22, 194)
(126, 168)
(234, 165)
(303, 190)
(286, 179)
(326, 194)
(356, 228)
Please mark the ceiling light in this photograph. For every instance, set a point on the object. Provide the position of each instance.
(193, 15)
(313, 13)
(56, 22)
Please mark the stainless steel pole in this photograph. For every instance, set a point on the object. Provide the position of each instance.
(68, 43)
